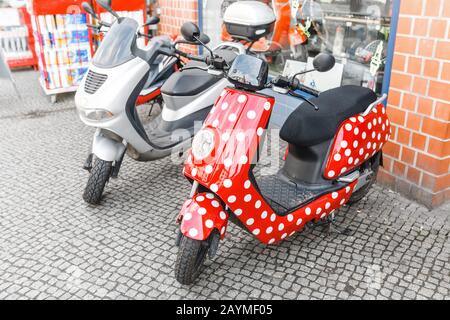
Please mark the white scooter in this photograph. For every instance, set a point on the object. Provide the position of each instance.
(107, 98)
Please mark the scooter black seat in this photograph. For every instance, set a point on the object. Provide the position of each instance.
(189, 82)
(307, 127)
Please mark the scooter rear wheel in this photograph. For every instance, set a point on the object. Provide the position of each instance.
(361, 193)
(99, 176)
(191, 257)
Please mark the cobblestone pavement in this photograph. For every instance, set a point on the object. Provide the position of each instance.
(52, 245)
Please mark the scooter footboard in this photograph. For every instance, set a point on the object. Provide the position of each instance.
(201, 215)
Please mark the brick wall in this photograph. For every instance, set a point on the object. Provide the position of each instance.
(418, 157)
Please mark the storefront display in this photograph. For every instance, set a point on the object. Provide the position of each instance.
(356, 32)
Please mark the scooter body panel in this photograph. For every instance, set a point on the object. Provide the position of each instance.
(358, 139)
(107, 149)
(201, 215)
(243, 118)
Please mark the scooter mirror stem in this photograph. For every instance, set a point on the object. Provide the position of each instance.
(105, 5)
(205, 46)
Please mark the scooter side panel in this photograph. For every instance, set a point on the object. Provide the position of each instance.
(201, 215)
(358, 139)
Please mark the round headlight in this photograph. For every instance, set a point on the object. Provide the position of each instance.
(203, 144)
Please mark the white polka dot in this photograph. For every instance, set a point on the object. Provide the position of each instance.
(364, 135)
(319, 210)
(331, 174)
(214, 187)
(280, 227)
(232, 199)
(356, 131)
(273, 217)
(344, 144)
(284, 235)
(373, 135)
(242, 98)
(308, 211)
(232, 117)
(240, 136)
(250, 221)
(383, 111)
(209, 223)
(356, 162)
(223, 215)
(193, 232)
(227, 183)
(224, 106)
(222, 231)
(264, 215)
(260, 132)
(215, 123)
(243, 160)
(258, 204)
(200, 198)
(267, 106)
(187, 216)
(194, 172)
(374, 122)
(348, 152)
(369, 126)
(348, 127)
(344, 169)
(201, 211)
(228, 162)
(272, 241)
(353, 119)
(210, 196)
(337, 157)
(290, 217)
(361, 119)
(247, 184)
(299, 221)
(369, 145)
(213, 109)
(355, 144)
(334, 195)
(226, 136)
(361, 151)
(269, 230)
(379, 120)
(342, 202)
(347, 189)
(208, 169)
(256, 232)
(350, 160)
(251, 114)
(323, 216)
(248, 198)
(379, 137)
(215, 204)
(327, 205)
(238, 212)
(366, 156)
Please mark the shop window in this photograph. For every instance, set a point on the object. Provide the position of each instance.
(356, 32)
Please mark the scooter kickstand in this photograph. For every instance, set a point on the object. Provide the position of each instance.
(333, 228)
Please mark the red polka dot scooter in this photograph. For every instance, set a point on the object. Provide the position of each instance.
(334, 153)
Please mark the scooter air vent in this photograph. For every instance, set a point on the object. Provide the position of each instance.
(94, 81)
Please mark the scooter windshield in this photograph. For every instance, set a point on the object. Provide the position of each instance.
(116, 47)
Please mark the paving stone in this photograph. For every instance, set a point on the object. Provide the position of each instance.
(54, 246)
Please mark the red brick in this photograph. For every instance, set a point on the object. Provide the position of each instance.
(438, 148)
(396, 115)
(413, 175)
(411, 7)
(415, 65)
(442, 183)
(420, 85)
(436, 128)
(399, 169)
(442, 111)
(439, 90)
(428, 181)
(401, 81)
(446, 71)
(432, 165)
(399, 62)
(431, 68)
(432, 8)
(420, 27)
(446, 12)
(413, 121)
(425, 106)
(403, 136)
(394, 97)
(408, 155)
(443, 50)
(404, 25)
(406, 44)
(392, 149)
(418, 141)
(409, 102)
(438, 28)
(426, 47)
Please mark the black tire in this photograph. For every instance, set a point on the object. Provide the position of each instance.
(361, 193)
(191, 257)
(99, 176)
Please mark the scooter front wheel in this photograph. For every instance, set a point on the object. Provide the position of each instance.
(191, 257)
(99, 176)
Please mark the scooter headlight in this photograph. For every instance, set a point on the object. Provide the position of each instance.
(203, 144)
(95, 114)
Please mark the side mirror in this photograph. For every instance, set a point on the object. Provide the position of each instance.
(88, 8)
(152, 21)
(324, 62)
(204, 38)
(106, 4)
(190, 31)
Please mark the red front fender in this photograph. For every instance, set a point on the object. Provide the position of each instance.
(201, 215)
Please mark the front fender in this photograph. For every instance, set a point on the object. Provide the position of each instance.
(201, 215)
(107, 149)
